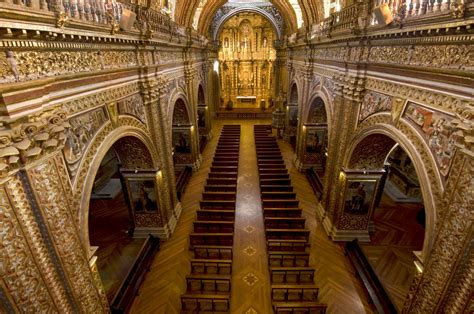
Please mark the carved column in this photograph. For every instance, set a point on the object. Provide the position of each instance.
(348, 96)
(155, 108)
(190, 78)
(446, 284)
(303, 99)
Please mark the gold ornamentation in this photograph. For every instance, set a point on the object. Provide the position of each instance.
(251, 310)
(249, 229)
(36, 64)
(457, 9)
(62, 19)
(250, 279)
(454, 235)
(113, 113)
(63, 230)
(397, 108)
(29, 138)
(19, 272)
(250, 250)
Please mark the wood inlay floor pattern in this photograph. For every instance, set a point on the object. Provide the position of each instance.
(161, 290)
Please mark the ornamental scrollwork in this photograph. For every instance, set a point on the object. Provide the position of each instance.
(27, 139)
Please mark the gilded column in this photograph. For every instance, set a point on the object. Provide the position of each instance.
(446, 283)
(348, 96)
(306, 73)
(153, 90)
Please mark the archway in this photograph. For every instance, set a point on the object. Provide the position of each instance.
(315, 136)
(181, 136)
(115, 206)
(392, 204)
(291, 124)
(203, 119)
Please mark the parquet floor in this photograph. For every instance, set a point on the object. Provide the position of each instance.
(161, 290)
(108, 226)
(396, 236)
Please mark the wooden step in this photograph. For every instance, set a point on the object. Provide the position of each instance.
(208, 284)
(278, 195)
(299, 307)
(281, 212)
(217, 204)
(220, 252)
(209, 226)
(221, 188)
(275, 181)
(211, 266)
(288, 259)
(276, 188)
(293, 275)
(205, 303)
(294, 293)
(284, 245)
(226, 175)
(224, 239)
(215, 215)
(285, 223)
(280, 203)
(294, 234)
(230, 196)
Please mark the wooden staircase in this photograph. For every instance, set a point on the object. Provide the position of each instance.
(209, 284)
(292, 278)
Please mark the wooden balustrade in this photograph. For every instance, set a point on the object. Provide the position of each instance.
(315, 182)
(364, 270)
(123, 299)
(182, 181)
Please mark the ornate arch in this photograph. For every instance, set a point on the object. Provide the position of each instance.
(291, 95)
(431, 186)
(319, 92)
(211, 7)
(94, 155)
(262, 12)
(178, 93)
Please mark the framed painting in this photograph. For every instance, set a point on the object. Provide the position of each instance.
(359, 195)
(142, 194)
(182, 140)
(315, 140)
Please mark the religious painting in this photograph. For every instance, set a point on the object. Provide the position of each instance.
(182, 141)
(142, 194)
(359, 196)
(201, 117)
(315, 140)
(374, 102)
(437, 131)
(293, 116)
(133, 105)
(83, 129)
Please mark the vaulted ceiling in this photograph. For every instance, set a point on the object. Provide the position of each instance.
(311, 12)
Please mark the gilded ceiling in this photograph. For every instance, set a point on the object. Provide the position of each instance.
(200, 13)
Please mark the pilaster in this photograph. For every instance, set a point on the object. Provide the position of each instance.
(446, 282)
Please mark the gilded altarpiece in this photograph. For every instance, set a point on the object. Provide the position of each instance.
(246, 60)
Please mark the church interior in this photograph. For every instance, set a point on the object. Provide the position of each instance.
(236, 156)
